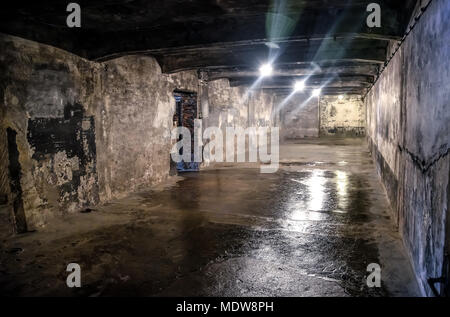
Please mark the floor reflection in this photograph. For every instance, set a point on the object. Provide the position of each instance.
(307, 199)
(342, 191)
(317, 194)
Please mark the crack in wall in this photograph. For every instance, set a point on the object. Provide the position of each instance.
(421, 164)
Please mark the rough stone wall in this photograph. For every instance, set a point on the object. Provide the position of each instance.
(135, 121)
(408, 133)
(299, 117)
(346, 117)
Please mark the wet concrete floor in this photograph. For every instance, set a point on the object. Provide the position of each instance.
(311, 229)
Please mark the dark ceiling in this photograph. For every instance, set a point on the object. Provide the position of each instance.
(325, 39)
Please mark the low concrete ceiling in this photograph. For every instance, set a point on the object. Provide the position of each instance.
(226, 38)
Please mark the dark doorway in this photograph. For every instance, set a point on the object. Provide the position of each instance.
(15, 172)
(185, 114)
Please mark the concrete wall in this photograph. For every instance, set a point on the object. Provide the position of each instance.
(6, 227)
(299, 117)
(134, 119)
(342, 117)
(4, 179)
(86, 132)
(408, 132)
(302, 116)
(235, 107)
(227, 106)
(89, 132)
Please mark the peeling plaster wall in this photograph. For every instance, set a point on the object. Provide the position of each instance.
(346, 117)
(86, 132)
(408, 132)
(45, 86)
(299, 117)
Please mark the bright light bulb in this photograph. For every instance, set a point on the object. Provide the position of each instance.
(340, 97)
(316, 92)
(299, 86)
(265, 70)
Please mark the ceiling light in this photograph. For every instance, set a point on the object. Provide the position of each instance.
(265, 70)
(299, 86)
(272, 45)
(316, 92)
